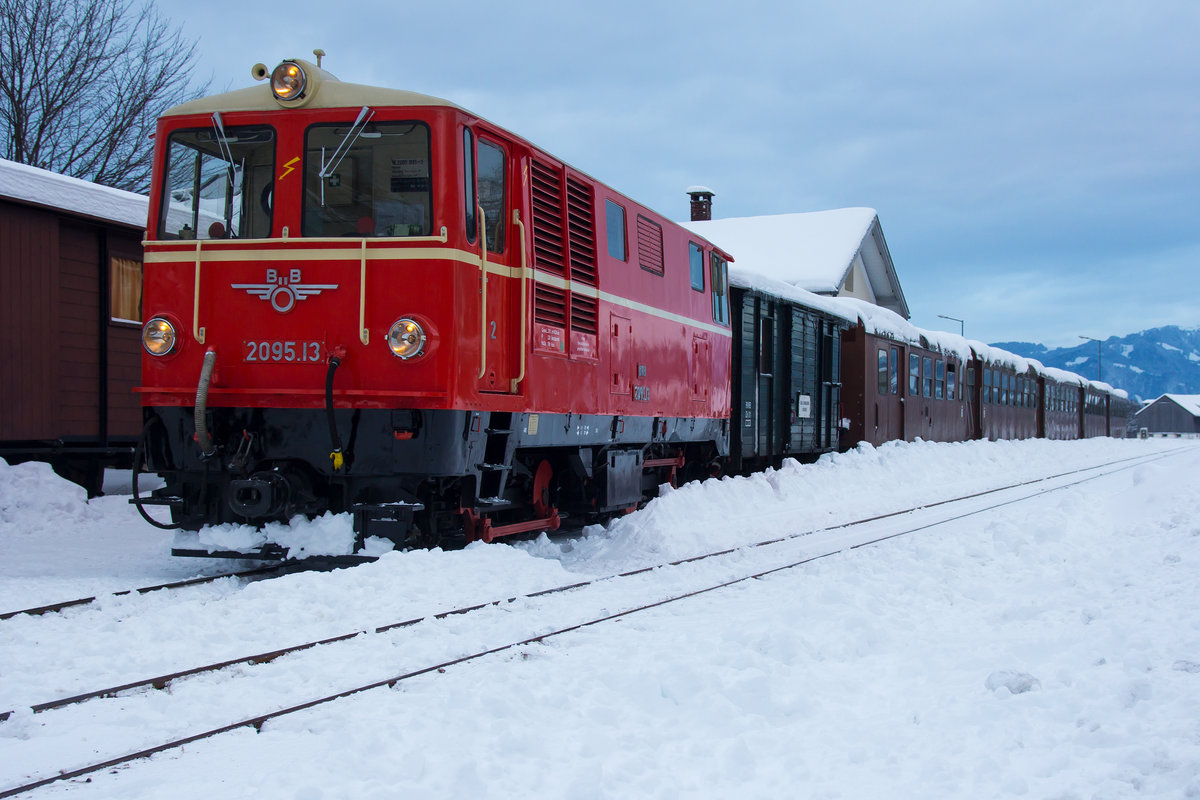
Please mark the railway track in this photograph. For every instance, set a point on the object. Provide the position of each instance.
(837, 539)
(53, 608)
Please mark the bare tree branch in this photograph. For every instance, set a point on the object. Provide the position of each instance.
(82, 83)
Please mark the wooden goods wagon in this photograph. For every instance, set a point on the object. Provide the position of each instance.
(70, 291)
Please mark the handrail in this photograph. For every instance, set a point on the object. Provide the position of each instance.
(197, 331)
(482, 292)
(364, 335)
(525, 278)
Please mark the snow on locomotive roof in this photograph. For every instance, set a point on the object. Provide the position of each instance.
(812, 250)
(49, 189)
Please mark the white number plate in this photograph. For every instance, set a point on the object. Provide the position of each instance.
(277, 352)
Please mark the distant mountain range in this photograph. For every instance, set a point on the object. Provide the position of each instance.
(1146, 364)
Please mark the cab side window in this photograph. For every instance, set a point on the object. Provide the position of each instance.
(720, 288)
(491, 163)
(696, 263)
(614, 221)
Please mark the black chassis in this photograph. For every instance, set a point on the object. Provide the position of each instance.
(410, 474)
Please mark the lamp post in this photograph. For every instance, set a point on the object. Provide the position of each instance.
(1099, 357)
(962, 326)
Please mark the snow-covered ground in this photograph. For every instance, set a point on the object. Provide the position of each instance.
(1046, 649)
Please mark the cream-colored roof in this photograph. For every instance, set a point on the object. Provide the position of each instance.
(327, 92)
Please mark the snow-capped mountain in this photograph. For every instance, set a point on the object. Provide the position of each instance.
(1145, 364)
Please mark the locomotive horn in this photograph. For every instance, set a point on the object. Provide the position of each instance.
(259, 72)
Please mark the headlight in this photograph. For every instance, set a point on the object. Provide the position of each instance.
(406, 338)
(288, 81)
(158, 337)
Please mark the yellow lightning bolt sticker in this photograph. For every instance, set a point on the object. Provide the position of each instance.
(290, 168)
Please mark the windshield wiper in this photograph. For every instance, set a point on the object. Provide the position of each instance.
(343, 149)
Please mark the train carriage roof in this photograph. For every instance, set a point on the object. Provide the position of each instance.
(38, 187)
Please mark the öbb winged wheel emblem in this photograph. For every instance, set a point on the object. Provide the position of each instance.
(283, 289)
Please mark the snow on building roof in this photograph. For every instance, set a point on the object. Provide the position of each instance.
(814, 251)
(1188, 402)
(40, 187)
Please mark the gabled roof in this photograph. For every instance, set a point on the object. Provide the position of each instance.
(1188, 402)
(815, 251)
(40, 187)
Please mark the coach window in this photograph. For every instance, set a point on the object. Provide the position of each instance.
(367, 180)
(987, 386)
(720, 289)
(218, 183)
(914, 375)
(696, 264)
(939, 386)
(893, 371)
(951, 380)
(125, 290)
(614, 220)
(927, 383)
(883, 373)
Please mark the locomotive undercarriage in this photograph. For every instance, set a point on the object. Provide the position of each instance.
(418, 477)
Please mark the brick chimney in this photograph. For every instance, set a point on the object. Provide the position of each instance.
(701, 202)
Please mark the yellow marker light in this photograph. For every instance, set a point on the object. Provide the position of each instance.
(406, 339)
(288, 81)
(158, 337)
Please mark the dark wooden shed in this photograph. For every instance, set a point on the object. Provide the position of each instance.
(70, 319)
(1171, 413)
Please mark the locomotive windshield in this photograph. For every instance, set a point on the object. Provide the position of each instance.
(376, 180)
(218, 183)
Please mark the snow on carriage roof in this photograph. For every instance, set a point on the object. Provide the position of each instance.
(884, 322)
(44, 188)
(812, 250)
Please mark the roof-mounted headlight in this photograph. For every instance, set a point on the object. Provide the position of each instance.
(406, 338)
(158, 337)
(288, 81)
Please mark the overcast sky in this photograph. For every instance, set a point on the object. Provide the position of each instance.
(1035, 165)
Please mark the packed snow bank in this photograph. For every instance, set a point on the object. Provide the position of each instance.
(1047, 649)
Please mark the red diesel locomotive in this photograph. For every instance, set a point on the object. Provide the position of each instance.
(373, 301)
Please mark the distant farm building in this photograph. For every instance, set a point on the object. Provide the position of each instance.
(1170, 414)
(838, 253)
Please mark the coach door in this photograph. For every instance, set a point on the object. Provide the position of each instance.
(891, 393)
(487, 168)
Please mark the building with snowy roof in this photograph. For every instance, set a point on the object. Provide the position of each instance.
(837, 253)
(1170, 413)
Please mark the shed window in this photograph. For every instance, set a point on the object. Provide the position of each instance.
(125, 290)
(893, 371)
(696, 264)
(614, 221)
(883, 373)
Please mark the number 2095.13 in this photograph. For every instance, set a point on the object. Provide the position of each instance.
(280, 352)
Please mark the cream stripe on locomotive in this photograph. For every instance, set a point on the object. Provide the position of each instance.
(354, 253)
